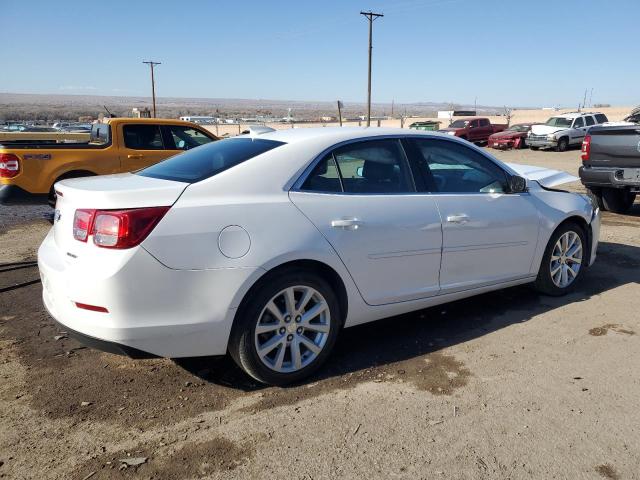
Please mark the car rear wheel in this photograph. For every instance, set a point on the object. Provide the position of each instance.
(563, 145)
(563, 261)
(287, 328)
(617, 200)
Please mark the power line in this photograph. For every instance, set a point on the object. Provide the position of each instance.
(152, 64)
(371, 17)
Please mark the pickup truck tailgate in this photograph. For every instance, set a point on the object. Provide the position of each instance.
(615, 147)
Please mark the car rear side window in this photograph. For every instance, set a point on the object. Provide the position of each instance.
(208, 160)
(142, 137)
(367, 167)
(324, 177)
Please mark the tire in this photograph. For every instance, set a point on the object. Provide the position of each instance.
(596, 196)
(51, 199)
(563, 145)
(548, 281)
(282, 337)
(617, 200)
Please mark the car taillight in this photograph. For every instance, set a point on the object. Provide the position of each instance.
(586, 148)
(124, 228)
(82, 222)
(9, 165)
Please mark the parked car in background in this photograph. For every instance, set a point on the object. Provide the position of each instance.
(267, 245)
(611, 165)
(513, 137)
(563, 131)
(28, 170)
(475, 130)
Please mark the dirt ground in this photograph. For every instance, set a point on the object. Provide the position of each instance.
(506, 385)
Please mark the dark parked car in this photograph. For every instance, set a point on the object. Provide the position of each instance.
(476, 130)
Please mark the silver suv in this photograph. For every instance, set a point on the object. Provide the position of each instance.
(564, 130)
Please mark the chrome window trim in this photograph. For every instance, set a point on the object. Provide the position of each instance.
(297, 185)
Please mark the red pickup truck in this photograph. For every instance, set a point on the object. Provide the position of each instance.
(476, 130)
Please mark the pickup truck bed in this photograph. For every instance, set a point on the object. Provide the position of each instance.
(611, 166)
(29, 170)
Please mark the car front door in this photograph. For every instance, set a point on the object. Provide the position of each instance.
(474, 130)
(578, 132)
(142, 146)
(489, 234)
(363, 199)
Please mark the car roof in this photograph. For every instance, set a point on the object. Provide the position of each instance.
(337, 134)
(154, 121)
(575, 114)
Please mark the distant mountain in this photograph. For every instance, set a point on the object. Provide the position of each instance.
(22, 106)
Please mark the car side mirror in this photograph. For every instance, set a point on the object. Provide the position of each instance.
(517, 184)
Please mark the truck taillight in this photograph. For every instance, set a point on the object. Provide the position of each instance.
(9, 165)
(117, 228)
(586, 148)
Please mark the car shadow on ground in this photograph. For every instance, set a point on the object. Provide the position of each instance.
(408, 337)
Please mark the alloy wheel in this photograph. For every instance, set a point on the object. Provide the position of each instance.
(292, 329)
(566, 259)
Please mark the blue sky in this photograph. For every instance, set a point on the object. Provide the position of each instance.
(519, 53)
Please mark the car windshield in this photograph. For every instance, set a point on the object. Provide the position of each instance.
(208, 160)
(459, 124)
(518, 128)
(559, 122)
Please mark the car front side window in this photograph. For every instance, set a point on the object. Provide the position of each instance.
(452, 168)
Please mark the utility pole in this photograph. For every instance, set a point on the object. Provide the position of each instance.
(152, 64)
(371, 17)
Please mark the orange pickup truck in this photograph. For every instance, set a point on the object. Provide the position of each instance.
(29, 169)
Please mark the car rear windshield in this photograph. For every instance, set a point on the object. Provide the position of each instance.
(209, 160)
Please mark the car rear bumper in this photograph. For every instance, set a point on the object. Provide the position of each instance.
(14, 195)
(152, 309)
(609, 177)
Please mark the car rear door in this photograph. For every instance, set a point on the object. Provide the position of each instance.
(489, 235)
(142, 145)
(363, 199)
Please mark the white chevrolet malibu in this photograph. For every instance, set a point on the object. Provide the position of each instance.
(266, 245)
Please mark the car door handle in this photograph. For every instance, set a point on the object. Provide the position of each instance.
(459, 218)
(135, 155)
(346, 223)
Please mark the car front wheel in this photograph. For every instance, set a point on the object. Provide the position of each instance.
(564, 260)
(287, 328)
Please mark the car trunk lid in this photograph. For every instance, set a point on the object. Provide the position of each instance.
(109, 192)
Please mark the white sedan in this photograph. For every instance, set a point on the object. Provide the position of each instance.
(266, 245)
